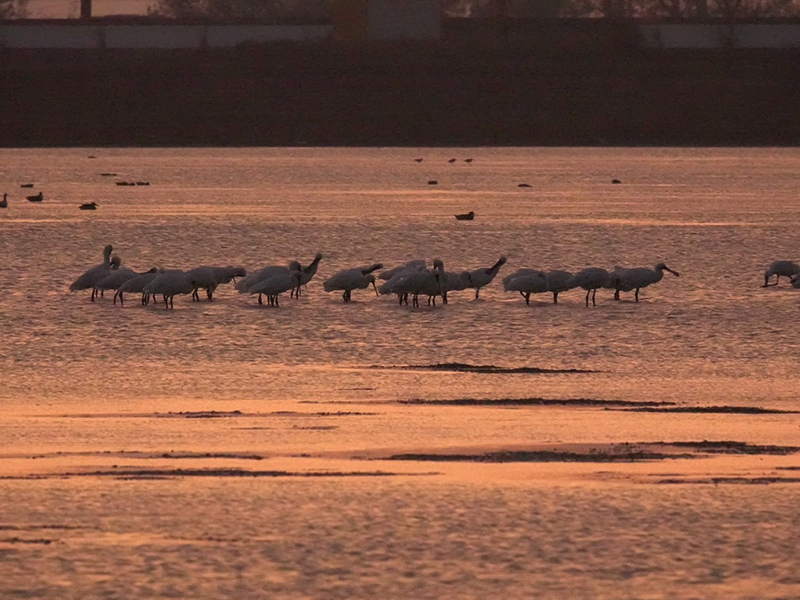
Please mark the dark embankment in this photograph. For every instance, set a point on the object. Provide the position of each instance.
(461, 94)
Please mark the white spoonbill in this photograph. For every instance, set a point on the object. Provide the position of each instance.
(169, 284)
(626, 280)
(558, 281)
(276, 285)
(527, 284)
(591, 280)
(352, 279)
(482, 277)
(412, 265)
(90, 278)
(520, 273)
(203, 277)
(416, 282)
(786, 268)
(136, 285)
(243, 285)
(307, 274)
(115, 279)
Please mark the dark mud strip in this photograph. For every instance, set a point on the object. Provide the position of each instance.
(16, 540)
(492, 369)
(214, 415)
(147, 474)
(542, 456)
(732, 480)
(734, 410)
(138, 454)
(535, 402)
(728, 447)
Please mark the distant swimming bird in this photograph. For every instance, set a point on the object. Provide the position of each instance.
(452, 160)
(591, 280)
(169, 284)
(418, 160)
(26, 185)
(276, 285)
(482, 277)
(37, 198)
(4, 201)
(90, 277)
(135, 285)
(786, 268)
(88, 206)
(352, 279)
(626, 280)
(466, 216)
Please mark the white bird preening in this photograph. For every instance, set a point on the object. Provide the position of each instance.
(136, 285)
(787, 268)
(348, 280)
(116, 278)
(244, 285)
(92, 276)
(276, 285)
(307, 274)
(591, 280)
(482, 277)
(627, 280)
(169, 284)
(414, 281)
(532, 281)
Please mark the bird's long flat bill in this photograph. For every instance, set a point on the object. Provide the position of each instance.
(673, 272)
(375, 288)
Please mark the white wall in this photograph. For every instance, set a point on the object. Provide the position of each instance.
(153, 36)
(674, 35)
(404, 19)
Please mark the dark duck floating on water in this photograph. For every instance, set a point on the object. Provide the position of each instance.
(88, 206)
(466, 216)
(26, 185)
(37, 198)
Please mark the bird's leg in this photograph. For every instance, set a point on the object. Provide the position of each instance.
(555, 297)
(587, 296)
(400, 299)
(616, 294)
(637, 294)
(93, 291)
(444, 297)
(527, 298)
(259, 299)
(344, 296)
(477, 292)
(210, 293)
(594, 293)
(277, 305)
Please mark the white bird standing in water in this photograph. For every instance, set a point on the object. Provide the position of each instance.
(412, 265)
(482, 277)
(591, 280)
(243, 285)
(414, 282)
(780, 267)
(626, 280)
(352, 279)
(210, 278)
(526, 284)
(276, 285)
(92, 276)
(136, 285)
(169, 284)
(307, 274)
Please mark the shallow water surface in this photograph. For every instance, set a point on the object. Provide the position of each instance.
(230, 449)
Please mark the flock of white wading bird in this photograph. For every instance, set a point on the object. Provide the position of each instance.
(410, 280)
